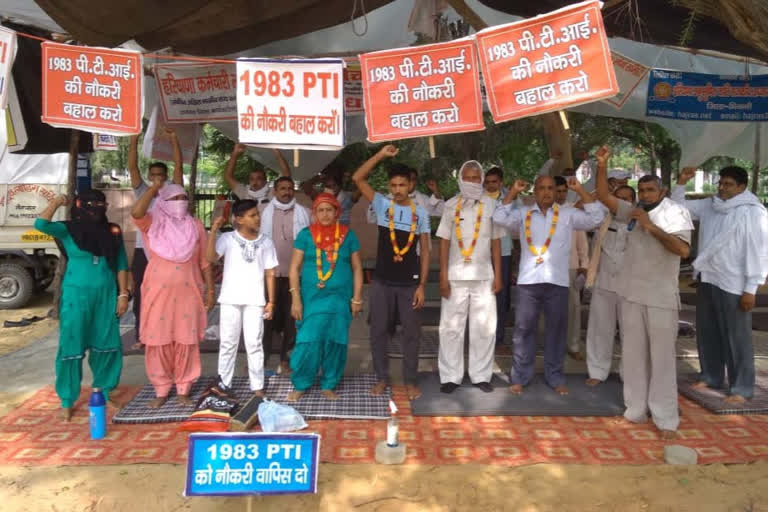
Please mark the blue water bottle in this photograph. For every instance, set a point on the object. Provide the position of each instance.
(97, 407)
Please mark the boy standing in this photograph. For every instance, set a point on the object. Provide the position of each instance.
(249, 259)
(401, 273)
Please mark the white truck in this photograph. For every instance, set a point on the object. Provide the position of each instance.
(28, 258)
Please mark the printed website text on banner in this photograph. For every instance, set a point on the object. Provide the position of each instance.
(93, 89)
(422, 91)
(703, 97)
(194, 93)
(291, 103)
(539, 65)
(7, 55)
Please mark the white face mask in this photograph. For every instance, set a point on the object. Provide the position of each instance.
(471, 190)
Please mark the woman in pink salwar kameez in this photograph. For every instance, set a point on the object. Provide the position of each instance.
(173, 304)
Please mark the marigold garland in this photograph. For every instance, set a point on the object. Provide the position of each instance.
(467, 253)
(321, 276)
(399, 253)
(539, 253)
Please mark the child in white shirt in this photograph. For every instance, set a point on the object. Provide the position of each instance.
(249, 261)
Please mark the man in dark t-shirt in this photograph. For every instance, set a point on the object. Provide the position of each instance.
(401, 273)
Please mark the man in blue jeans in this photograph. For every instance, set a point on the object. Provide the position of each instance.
(545, 234)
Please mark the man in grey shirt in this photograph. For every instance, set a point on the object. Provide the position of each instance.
(158, 172)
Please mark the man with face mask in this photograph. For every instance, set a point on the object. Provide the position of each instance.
(545, 231)
(470, 277)
(660, 233)
(732, 263)
(282, 220)
(258, 187)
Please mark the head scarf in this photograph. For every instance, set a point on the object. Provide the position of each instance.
(174, 233)
(90, 229)
(326, 234)
(469, 190)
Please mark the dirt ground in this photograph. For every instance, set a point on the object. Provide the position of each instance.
(545, 487)
(15, 338)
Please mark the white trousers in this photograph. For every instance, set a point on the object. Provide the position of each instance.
(601, 332)
(251, 320)
(476, 299)
(574, 313)
(648, 337)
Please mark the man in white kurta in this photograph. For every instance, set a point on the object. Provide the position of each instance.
(650, 300)
(470, 276)
(542, 284)
(604, 276)
(732, 263)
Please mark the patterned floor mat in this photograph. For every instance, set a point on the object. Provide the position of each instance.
(354, 400)
(712, 399)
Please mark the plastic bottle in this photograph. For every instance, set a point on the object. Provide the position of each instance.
(97, 406)
(392, 434)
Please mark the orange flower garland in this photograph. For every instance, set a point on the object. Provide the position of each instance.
(399, 253)
(467, 253)
(539, 253)
(321, 276)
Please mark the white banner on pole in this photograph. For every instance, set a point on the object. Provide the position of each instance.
(195, 93)
(629, 74)
(157, 142)
(291, 103)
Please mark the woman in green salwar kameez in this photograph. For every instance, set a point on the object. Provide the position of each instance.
(325, 271)
(90, 302)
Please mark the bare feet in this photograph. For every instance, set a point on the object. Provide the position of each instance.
(295, 395)
(185, 400)
(734, 399)
(380, 388)
(158, 402)
(259, 393)
(137, 346)
(668, 435)
(285, 368)
(578, 356)
(593, 382)
(561, 390)
(114, 403)
(330, 394)
(699, 384)
(516, 389)
(413, 392)
(66, 414)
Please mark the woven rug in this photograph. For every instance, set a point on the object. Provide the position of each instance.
(33, 435)
(354, 400)
(712, 399)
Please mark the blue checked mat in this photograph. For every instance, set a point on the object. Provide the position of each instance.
(712, 399)
(355, 402)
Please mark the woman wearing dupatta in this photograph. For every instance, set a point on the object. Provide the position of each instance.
(325, 271)
(90, 303)
(173, 311)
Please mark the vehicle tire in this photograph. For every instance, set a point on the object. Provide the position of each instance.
(16, 286)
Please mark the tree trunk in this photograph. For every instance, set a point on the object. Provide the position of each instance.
(667, 163)
(74, 143)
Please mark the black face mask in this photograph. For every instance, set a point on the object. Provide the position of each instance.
(649, 206)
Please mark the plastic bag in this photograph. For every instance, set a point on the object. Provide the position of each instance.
(275, 417)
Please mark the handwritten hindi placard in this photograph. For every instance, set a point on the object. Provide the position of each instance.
(93, 89)
(422, 91)
(629, 73)
(105, 142)
(194, 93)
(7, 54)
(353, 88)
(236, 464)
(546, 63)
(295, 103)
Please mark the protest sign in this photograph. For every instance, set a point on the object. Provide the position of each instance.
(295, 103)
(422, 91)
(157, 141)
(629, 74)
(93, 89)
(16, 131)
(104, 142)
(194, 93)
(353, 88)
(546, 63)
(236, 464)
(7, 54)
(703, 97)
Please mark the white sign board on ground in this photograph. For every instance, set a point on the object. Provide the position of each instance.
(291, 103)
